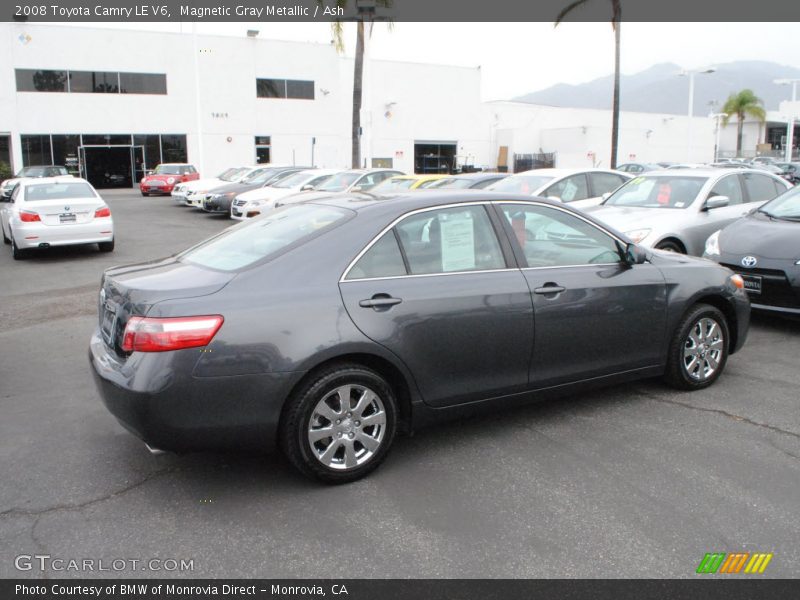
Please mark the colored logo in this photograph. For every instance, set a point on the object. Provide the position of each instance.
(749, 261)
(734, 562)
(24, 38)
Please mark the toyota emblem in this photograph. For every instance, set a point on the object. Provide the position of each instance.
(66, 209)
(749, 261)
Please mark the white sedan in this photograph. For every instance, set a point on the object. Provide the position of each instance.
(55, 212)
(251, 204)
(580, 188)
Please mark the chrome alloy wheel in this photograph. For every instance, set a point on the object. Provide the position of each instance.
(347, 427)
(702, 351)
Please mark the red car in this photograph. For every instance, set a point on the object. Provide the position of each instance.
(165, 177)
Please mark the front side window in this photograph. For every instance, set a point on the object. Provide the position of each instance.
(728, 186)
(569, 189)
(242, 246)
(553, 238)
(450, 240)
(658, 192)
(602, 183)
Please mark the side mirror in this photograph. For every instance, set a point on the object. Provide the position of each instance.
(306, 188)
(605, 196)
(357, 188)
(633, 254)
(716, 202)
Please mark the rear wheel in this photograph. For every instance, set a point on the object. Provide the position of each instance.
(670, 246)
(699, 349)
(106, 246)
(340, 424)
(16, 252)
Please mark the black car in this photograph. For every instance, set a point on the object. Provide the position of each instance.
(219, 199)
(764, 248)
(326, 327)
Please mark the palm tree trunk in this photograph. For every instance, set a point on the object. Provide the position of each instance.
(739, 128)
(615, 101)
(358, 80)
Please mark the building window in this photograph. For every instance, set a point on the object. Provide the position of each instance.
(32, 80)
(90, 82)
(263, 149)
(142, 83)
(5, 153)
(285, 88)
(65, 152)
(36, 150)
(173, 148)
(93, 82)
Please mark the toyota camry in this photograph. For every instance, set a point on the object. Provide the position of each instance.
(327, 327)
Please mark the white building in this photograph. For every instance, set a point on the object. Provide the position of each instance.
(102, 100)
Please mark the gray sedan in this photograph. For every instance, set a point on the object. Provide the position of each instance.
(677, 209)
(328, 327)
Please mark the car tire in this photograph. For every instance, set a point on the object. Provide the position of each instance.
(17, 253)
(5, 237)
(106, 246)
(701, 340)
(145, 194)
(316, 409)
(670, 246)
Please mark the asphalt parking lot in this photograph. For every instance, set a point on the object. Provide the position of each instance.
(634, 481)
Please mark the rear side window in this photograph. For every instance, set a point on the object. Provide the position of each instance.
(58, 191)
(569, 189)
(759, 187)
(450, 240)
(241, 246)
(605, 182)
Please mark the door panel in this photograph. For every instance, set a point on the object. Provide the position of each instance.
(465, 336)
(608, 319)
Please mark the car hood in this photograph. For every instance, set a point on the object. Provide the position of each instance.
(234, 187)
(629, 218)
(165, 177)
(12, 182)
(764, 237)
(202, 183)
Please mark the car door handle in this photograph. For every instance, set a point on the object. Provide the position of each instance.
(380, 301)
(549, 288)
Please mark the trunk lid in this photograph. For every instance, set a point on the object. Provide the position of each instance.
(64, 212)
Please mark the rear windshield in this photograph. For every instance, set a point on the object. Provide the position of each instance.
(658, 192)
(58, 191)
(243, 245)
(520, 184)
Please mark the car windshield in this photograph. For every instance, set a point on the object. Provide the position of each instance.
(58, 191)
(259, 176)
(520, 184)
(258, 238)
(31, 172)
(230, 174)
(658, 192)
(452, 183)
(785, 206)
(168, 170)
(295, 180)
(339, 182)
(393, 184)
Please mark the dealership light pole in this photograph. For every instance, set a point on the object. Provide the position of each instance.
(690, 74)
(717, 122)
(790, 120)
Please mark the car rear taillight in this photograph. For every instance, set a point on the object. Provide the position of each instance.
(27, 216)
(102, 212)
(146, 334)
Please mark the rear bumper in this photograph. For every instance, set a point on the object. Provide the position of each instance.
(155, 397)
(34, 235)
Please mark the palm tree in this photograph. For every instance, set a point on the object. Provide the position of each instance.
(743, 104)
(616, 21)
(337, 29)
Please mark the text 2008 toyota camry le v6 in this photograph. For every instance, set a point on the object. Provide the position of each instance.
(330, 325)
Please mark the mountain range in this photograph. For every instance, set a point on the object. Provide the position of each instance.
(660, 88)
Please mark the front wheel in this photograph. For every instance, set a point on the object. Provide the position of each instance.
(699, 349)
(145, 194)
(340, 425)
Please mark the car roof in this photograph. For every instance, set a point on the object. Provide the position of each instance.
(26, 181)
(553, 172)
(701, 172)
